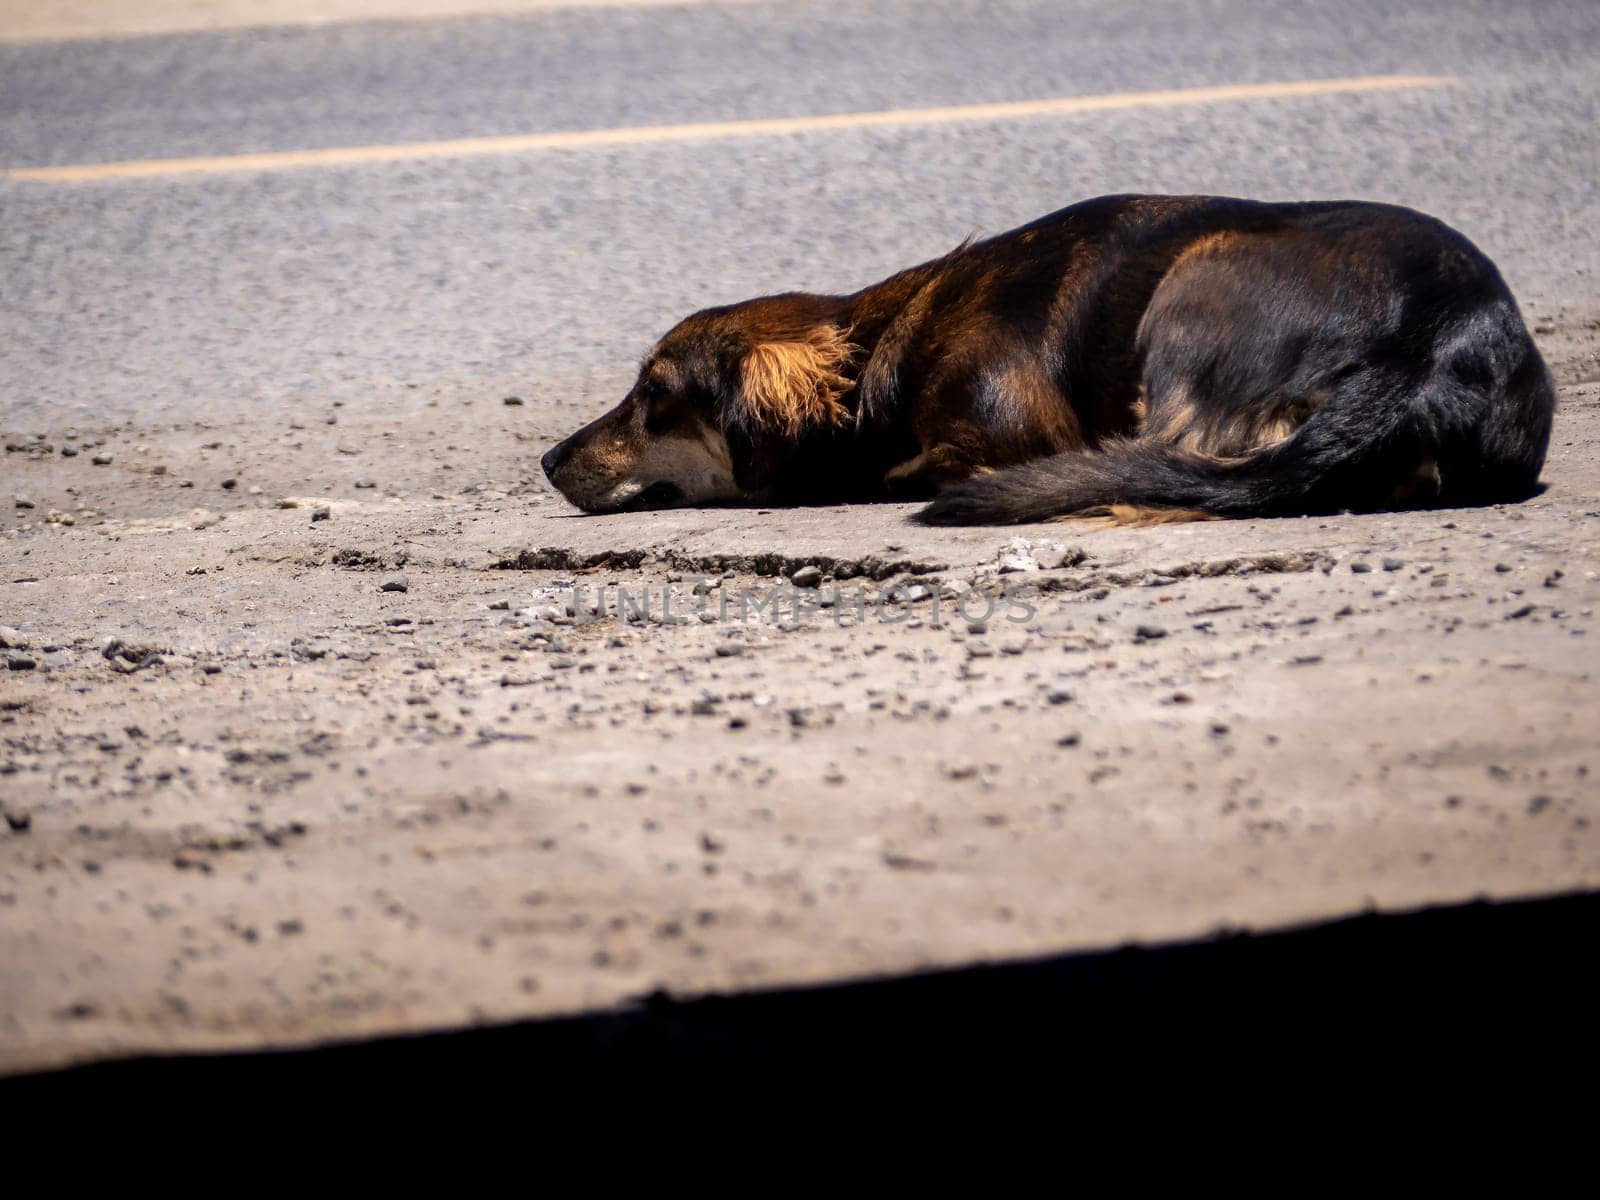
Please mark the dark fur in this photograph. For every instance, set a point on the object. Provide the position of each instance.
(1223, 356)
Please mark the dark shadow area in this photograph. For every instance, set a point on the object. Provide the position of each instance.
(1463, 989)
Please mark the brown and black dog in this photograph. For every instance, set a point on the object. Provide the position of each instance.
(1144, 357)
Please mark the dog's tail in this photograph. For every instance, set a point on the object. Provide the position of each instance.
(1141, 474)
(1445, 442)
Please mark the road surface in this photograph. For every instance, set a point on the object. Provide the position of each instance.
(254, 798)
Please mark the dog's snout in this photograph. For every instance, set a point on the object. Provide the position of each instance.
(554, 457)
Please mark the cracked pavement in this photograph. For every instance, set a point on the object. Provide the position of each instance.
(255, 797)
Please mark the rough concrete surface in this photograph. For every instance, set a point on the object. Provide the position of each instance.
(300, 738)
(255, 795)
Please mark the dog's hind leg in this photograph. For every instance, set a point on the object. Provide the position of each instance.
(1004, 412)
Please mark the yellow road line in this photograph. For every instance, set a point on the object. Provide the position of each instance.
(283, 160)
(24, 21)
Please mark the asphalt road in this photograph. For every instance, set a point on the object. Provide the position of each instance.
(251, 795)
(237, 295)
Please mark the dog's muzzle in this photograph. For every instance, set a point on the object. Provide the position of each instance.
(554, 457)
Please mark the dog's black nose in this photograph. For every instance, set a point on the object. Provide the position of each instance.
(553, 458)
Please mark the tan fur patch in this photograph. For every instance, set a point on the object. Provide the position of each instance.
(905, 470)
(1141, 409)
(1178, 422)
(1422, 486)
(937, 465)
(1174, 420)
(793, 385)
(1113, 516)
(1276, 429)
(1208, 243)
(1249, 431)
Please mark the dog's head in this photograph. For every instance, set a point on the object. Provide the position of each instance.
(719, 402)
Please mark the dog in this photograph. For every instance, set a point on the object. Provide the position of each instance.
(1134, 358)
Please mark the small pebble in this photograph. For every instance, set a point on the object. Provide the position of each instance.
(229, 484)
(101, 460)
(395, 583)
(365, 482)
(1016, 556)
(513, 401)
(808, 576)
(321, 512)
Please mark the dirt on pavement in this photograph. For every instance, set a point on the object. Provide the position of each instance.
(310, 729)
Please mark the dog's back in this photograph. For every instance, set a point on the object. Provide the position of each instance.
(1296, 358)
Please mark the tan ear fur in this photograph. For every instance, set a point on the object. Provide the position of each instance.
(798, 383)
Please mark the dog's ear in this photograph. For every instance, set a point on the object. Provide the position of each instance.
(793, 384)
